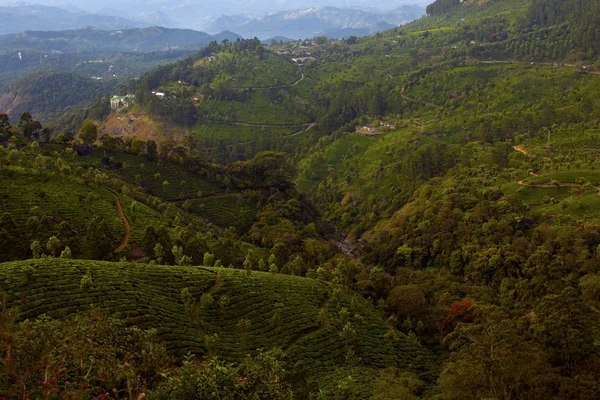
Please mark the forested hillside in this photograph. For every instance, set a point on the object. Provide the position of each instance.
(410, 215)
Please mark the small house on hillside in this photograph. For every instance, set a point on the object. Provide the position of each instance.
(121, 101)
(303, 60)
(387, 124)
(368, 131)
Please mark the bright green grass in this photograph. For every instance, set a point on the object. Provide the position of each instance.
(282, 310)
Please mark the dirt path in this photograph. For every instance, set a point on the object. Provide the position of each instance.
(244, 123)
(547, 185)
(125, 241)
(306, 127)
(247, 89)
(521, 149)
(479, 61)
(299, 80)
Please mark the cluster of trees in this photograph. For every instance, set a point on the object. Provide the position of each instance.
(442, 6)
(27, 129)
(582, 17)
(34, 240)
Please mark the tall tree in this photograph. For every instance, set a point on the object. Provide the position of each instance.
(88, 132)
(28, 126)
(4, 127)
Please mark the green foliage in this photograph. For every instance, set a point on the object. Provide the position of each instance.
(83, 355)
(88, 132)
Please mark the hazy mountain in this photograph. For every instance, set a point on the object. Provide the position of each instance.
(24, 17)
(277, 39)
(199, 14)
(47, 92)
(124, 40)
(310, 22)
(158, 18)
(345, 32)
(230, 22)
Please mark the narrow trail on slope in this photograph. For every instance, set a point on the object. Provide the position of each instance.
(125, 241)
(549, 186)
(244, 123)
(521, 149)
(305, 128)
(214, 289)
(480, 61)
(309, 331)
(417, 101)
(296, 82)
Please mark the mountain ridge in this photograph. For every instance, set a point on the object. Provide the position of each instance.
(311, 22)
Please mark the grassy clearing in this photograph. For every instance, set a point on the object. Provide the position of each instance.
(316, 167)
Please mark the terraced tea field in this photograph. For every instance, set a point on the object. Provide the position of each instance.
(25, 193)
(216, 134)
(571, 176)
(180, 183)
(314, 323)
(532, 195)
(222, 210)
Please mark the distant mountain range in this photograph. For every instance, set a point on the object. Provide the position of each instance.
(316, 21)
(297, 24)
(24, 17)
(121, 40)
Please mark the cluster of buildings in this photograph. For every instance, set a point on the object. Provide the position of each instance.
(117, 102)
(383, 127)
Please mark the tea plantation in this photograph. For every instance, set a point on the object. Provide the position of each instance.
(329, 333)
